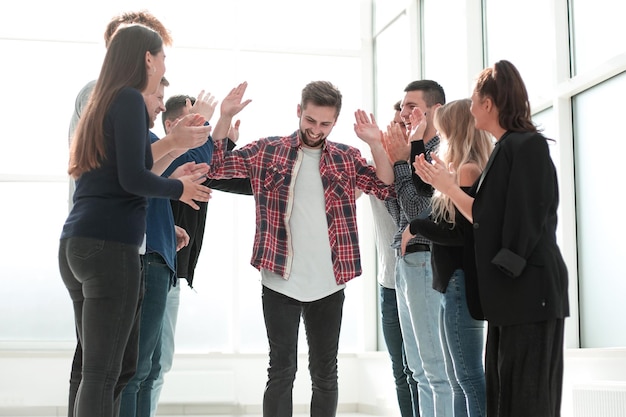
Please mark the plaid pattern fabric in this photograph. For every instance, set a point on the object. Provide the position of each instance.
(271, 164)
(410, 203)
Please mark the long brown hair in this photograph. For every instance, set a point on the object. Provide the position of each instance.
(124, 66)
(504, 85)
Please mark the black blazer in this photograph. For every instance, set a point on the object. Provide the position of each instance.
(522, 277)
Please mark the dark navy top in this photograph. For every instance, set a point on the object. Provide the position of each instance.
(110, 201)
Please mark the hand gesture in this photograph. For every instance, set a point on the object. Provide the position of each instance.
(395, 143)
(182, 238)
(418, 123)
(189, 132)
(367, 130)
(194, 190)
(190, 168)
(406, 237)
(232, 103)
(233, 131)
(435, 173)
(205, 105)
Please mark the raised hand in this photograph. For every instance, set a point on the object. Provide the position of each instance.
(435, 173)
(418, 123)
(205, 105)
(367, 129)
(233, 103)
(395, 143)
(189, 131)
(233, 132)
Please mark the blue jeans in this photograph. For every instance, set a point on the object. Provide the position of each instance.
(167, 343)
(406, 386)
(104, 282)
(322, 323)
(463, 344)
(418, 309)
(137, 396)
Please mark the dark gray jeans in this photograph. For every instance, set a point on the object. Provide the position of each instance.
(104, 282)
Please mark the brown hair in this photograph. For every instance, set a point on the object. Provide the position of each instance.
(124, 66)
(141, 17)
(503, 84)
(322, 93)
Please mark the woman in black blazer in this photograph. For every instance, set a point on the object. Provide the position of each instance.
(521, 275)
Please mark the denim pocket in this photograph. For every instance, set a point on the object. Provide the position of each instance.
(83, 248)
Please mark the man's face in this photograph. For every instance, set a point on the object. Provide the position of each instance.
(155, 104)
(184, 111)
(411, 100)
(316, 123)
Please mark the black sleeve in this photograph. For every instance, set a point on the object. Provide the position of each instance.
(441, 233)
(231, 185)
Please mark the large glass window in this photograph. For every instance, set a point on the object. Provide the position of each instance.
(599, 148)
(277, 46)
(598, 32)
(392, 67)
(446, 46)
(523, 33)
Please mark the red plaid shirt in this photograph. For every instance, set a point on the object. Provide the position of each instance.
(270, 164)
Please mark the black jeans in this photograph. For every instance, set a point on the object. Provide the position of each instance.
(322, 323)
(104, 282)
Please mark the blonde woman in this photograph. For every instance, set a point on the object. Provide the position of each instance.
(465, 150)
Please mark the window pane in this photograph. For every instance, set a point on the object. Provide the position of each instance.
(531, 49)
(446, 46)
(40, 108)
(393, 68)
(387, 10)
(32, 286)
(599, 149)
(598, 32)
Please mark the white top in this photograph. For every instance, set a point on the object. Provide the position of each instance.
(384, 230)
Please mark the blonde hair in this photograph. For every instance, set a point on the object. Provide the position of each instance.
(462, 144)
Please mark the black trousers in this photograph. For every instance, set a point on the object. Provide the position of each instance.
(524, 369)
(322, 323)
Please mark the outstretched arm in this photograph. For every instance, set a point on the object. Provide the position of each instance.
(231, 105)
(369, 132)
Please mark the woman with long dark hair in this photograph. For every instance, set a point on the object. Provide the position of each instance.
(101, 241)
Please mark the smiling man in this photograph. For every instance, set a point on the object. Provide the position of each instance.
(306, 245)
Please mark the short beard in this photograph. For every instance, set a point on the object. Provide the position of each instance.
(305, 140)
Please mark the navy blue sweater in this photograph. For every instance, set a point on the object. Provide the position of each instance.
(110, 201)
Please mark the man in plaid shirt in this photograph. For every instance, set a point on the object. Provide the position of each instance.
(306, 243)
